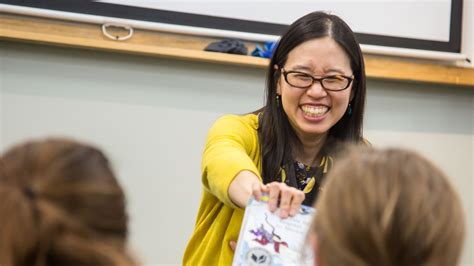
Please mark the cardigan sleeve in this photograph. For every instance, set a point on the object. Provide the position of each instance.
(230, 143)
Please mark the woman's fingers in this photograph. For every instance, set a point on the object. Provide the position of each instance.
(273, 195)
(258, 189)
(298, 199)
(232, 245)
(280, 195)
(289, 199)
(286, 199)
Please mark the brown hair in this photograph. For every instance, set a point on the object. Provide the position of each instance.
(388, 207)
(60, 204)
(277, 138)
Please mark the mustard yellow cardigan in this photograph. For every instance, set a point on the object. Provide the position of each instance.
(231, 147)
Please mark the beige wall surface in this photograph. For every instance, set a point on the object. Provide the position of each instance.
(151, 117)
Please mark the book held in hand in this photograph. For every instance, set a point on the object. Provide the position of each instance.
(266, 239)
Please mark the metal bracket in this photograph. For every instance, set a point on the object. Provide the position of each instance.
(117, 37)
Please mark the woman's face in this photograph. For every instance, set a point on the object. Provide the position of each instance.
(313, 111)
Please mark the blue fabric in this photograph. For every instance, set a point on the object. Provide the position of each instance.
(266, 51)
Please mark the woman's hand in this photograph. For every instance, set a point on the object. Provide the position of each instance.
(284, 197)
(233, 245)
(288, 198)
(244, 185)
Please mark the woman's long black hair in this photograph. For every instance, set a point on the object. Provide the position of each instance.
(277, 138)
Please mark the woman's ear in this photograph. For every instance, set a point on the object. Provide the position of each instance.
(351, 97)
(278, 80)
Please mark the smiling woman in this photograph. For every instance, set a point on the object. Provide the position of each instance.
(315, 98)
(313, 109)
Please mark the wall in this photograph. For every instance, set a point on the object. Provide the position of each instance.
(151, 117)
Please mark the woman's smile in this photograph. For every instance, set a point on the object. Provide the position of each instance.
(314, 112)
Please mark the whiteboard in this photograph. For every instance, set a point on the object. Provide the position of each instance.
(431, 25)
(425, 19)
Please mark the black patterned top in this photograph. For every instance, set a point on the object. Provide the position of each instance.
(308, 178)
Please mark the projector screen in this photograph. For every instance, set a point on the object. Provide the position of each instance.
(418, 24)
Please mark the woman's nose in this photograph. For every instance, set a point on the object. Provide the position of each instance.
(316, 90)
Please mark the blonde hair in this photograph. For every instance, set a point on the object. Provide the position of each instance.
(387, 207)
(60, 204)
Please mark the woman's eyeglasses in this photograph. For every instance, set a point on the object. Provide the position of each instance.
(304, 80)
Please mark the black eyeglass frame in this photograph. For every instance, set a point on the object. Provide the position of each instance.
(320, 80)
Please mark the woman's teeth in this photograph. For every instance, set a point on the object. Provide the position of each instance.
(314, 110)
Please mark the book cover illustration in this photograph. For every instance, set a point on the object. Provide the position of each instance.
(266, 239)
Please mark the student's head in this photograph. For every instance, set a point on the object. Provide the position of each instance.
(387, 207)
(297, 107)
(60, 204)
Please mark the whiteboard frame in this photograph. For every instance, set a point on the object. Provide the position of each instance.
(373, 44)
